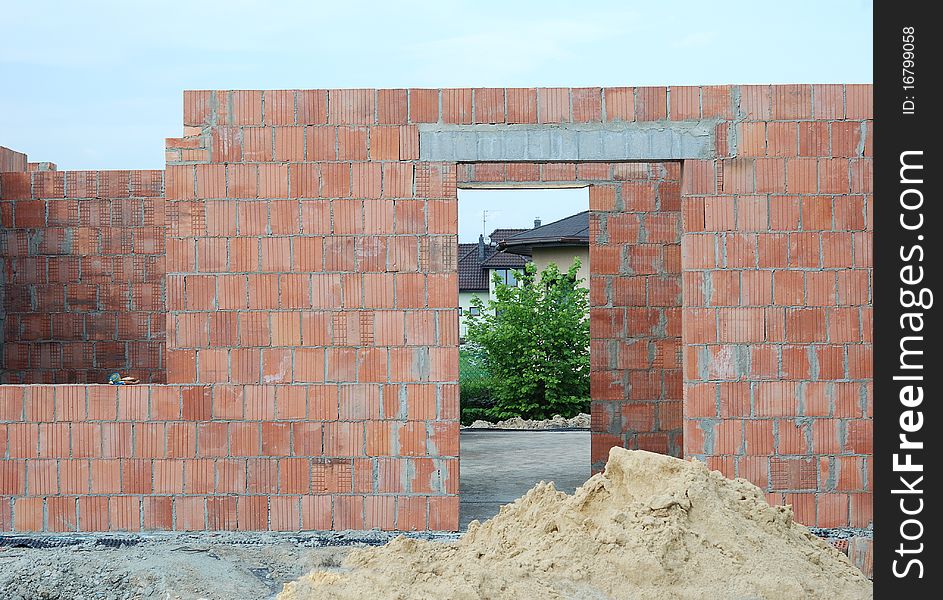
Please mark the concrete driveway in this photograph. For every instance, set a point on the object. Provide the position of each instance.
(497, 467)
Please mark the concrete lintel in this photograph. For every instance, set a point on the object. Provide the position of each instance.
(613, 141)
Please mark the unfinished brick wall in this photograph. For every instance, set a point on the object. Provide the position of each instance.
(635, 294)
(311, 291)
(776, 259)
(83, 270)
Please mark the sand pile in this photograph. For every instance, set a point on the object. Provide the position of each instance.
(650, 526)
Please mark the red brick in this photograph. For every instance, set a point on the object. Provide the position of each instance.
(423, 106)
(832, 510)
(190, 513)
(28, 514)
(157, 512)
(553, 105)
(636, 196)
(351, 106)
(770, 175)
(793, 474)
(651, 103)
(279, 107)
(489, 105)
(352, 143)
(802, 176)
(685, 103)
(93, 513)
(124, 513)
(311, 107)
(391, 107)
(410, 513)
(246, 107)
(316, 513)
(620, 104)
(586, 104)
(805, 325)
(862, 510)
(859, 101)
(221, 513)
(252, 513)
(284, 513)
(829, 101)
(715, 102)
(457, 106)
(380, 512)
(348, 512)
(791, 102)
(521, 105)
(759, 437)
(755, 101)
(751, 138)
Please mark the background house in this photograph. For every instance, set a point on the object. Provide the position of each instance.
(510, 249)
(476, 265)
(558, 242)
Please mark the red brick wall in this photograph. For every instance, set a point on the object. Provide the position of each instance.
(100, 457)
(306, 246)
(776, 259)
(83, 271)
(635, 294)
(309, 249)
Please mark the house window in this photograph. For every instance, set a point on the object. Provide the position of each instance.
(473, 311)
(506, 276)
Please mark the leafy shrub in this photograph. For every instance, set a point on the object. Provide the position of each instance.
(475, 385)
(533, 340)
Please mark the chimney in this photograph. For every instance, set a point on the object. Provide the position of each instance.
(536, 222)
(481, 248)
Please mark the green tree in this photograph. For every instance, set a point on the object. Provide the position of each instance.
(534, 341)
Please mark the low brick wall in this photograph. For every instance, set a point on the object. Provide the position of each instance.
(177, 457)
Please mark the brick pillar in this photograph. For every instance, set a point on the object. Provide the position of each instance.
(635, 319)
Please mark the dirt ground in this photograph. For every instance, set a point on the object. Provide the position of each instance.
(169, 566)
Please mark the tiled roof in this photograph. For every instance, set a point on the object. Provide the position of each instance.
(499, 235)
(470, 273)
(473, 272)
(569, 231)
(502, 260)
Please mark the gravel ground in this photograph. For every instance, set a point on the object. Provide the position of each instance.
(170, 566)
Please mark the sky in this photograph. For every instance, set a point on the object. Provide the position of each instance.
(98, 84)
(509, 209)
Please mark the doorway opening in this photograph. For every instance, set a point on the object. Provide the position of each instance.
(524, 276)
